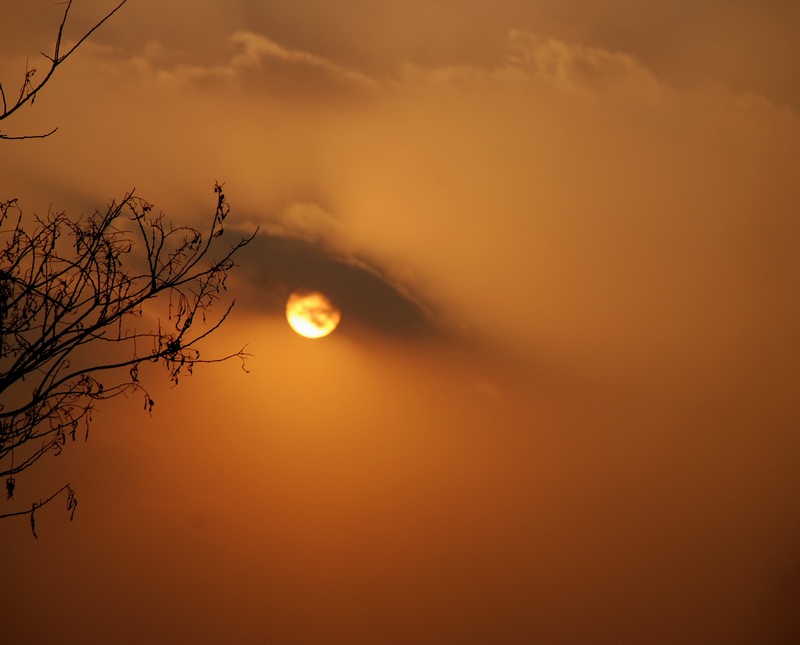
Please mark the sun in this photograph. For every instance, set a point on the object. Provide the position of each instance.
(312, 314)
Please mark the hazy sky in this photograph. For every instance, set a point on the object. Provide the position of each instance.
(562, 406)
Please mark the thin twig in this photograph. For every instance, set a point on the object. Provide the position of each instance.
(28, 93)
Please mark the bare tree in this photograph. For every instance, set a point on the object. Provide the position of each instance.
(31, 85)
(86, 302)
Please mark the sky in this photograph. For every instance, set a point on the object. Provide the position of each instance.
(562, 405)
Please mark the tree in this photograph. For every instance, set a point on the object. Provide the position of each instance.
(85, 302)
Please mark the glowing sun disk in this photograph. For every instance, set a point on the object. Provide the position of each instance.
(312, 314)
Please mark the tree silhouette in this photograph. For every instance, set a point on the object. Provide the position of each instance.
(85, 302)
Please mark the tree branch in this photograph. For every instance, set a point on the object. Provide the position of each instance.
(72, 504)
(28, 91)
(68, 285)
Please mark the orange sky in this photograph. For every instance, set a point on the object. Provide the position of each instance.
(562, 406)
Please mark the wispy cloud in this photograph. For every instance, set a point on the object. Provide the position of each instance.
(578, 67)
(264, 59)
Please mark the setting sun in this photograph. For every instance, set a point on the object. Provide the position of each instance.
(312, 314)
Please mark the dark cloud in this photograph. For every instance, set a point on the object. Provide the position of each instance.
(276, 266)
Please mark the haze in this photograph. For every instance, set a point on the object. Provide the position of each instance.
(562, 405)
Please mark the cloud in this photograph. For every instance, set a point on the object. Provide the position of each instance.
(260, 65)
(372, 302)
(311, 223)
(563, 201)
(259, 52)
(263, 65)
(578, 67)
(520, 196)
